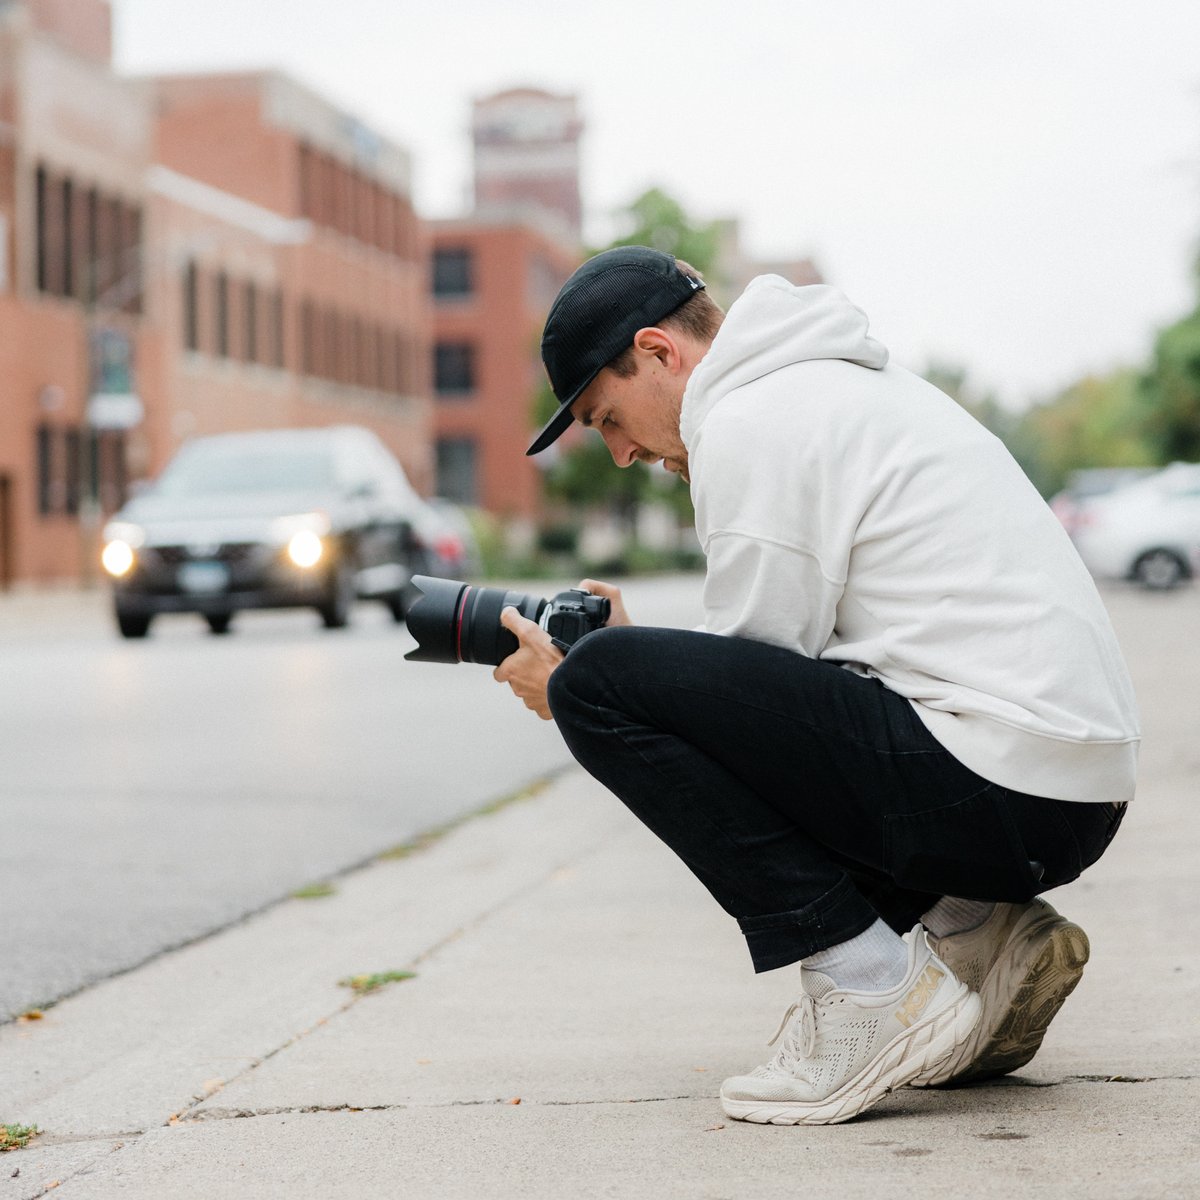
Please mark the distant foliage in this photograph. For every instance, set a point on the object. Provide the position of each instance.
(1171, 392)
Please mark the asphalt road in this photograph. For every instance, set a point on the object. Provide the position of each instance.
(156, 791)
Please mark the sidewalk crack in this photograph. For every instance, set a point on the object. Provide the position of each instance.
(239, 1114)
(476, 922)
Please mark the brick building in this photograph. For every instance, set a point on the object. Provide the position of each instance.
(493, 284)
(495, 274)
(75, 145)
(291, 268)
(526, 157)
(182, 256)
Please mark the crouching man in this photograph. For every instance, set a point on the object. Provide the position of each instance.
(908, 716)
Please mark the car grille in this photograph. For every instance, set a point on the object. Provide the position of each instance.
(230, 552)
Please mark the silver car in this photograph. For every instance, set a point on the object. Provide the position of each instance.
(1148, 531)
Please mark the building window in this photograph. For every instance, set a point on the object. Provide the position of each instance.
(42, 200)
(250, 323)
(457, 470)
(222, 289)
(454, 369)
(45, 471)
(92, 244)
(453, 274)
(191, 307)
(66, 214)
(275, 322)
(129, 296)
(308, 338)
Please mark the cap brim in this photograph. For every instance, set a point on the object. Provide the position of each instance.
(561, 421)
(554, 429)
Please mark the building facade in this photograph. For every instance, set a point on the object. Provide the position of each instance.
(75, 331)
(291, 267)
(526, 158)
(492, 286)
(184, 256)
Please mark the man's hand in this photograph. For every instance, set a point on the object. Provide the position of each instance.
(618, 616)
(527, 670)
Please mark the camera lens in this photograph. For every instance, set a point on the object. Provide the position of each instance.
(454, 622)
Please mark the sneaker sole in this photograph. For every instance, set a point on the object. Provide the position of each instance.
(918, 1049)
(1052, 969)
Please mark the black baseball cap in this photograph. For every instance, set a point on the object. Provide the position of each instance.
(596, 316)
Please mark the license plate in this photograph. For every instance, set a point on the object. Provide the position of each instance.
(201, 578)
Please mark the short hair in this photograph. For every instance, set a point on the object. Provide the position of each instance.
(699, 316)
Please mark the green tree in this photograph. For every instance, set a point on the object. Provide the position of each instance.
(1171, 392)
(1099, 421)
(659, 220)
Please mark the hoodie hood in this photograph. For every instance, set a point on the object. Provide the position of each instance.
(774, 324)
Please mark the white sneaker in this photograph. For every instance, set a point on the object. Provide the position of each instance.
(1024, 961)
(843, 1051)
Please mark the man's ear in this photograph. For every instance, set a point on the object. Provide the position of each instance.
(661, 345)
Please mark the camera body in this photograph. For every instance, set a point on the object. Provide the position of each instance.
(571, 614)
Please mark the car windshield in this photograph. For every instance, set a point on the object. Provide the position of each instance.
(220, 470)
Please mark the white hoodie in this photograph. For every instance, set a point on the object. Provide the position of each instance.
(852, 512)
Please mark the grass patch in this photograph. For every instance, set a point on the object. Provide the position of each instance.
(314, 891)
(369, 983)
(429, 837)
(16, 1137)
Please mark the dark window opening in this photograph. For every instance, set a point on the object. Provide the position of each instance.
(250, 323)
(457, 470)
(191, 307)
(45, 471)
(222, 315)
(453, 274)
(454, 368)
(276, 324)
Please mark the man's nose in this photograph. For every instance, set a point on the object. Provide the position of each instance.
(623, 451)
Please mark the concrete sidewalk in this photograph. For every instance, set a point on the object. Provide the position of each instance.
(577, 1001)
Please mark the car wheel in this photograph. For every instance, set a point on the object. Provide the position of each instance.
(133, 625)
(218, 623)
(1159, 570)
(339, 598)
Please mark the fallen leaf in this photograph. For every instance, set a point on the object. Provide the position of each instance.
(699, 1068)
(33, 1014)
(713, 1128)
(514, 1100)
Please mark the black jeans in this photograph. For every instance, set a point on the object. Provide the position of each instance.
(807, 799)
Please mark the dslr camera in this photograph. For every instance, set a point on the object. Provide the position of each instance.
(454, 622)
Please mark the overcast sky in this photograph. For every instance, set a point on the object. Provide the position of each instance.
(1011, 187)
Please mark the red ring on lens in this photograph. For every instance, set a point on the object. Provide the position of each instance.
(462, 604)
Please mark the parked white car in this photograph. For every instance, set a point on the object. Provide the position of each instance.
(1147, 531)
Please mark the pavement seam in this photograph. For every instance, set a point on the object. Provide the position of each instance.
(520, 893)
(241, 1114)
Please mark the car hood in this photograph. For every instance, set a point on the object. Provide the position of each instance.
(235, 517)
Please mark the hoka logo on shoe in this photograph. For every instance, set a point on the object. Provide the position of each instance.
(916, 1000)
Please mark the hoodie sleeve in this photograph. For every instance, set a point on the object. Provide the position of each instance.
(768, 591)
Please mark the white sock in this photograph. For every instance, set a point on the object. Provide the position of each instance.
(952, 914)
(874, 961)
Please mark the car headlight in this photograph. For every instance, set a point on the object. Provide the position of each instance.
(117, 557)
(305, 548)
